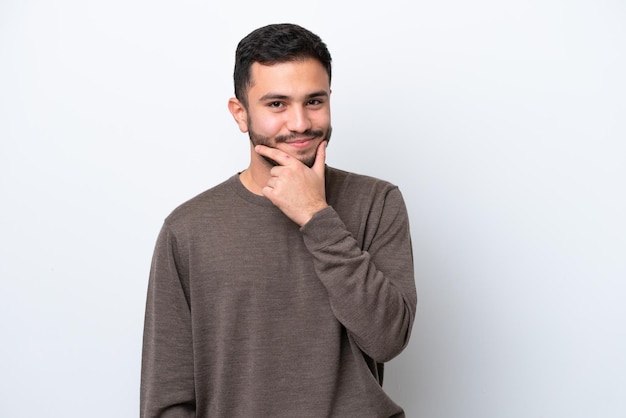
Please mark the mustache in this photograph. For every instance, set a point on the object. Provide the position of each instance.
(295, 136)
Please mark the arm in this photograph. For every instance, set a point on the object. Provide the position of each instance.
(167, 380)
(372, 293)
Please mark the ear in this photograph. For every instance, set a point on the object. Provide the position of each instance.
(238, 110)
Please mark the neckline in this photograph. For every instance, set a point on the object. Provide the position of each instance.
(246, 194)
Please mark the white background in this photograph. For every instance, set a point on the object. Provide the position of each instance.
(502, 122)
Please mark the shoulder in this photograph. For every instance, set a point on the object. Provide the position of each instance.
(354, 194)
(366, 205)
(346, 185)
(212, 201)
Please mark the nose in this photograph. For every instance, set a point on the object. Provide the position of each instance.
(298, 119)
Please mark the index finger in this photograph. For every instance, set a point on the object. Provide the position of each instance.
(282, 158)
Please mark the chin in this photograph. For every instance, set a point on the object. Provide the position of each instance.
(307, 159)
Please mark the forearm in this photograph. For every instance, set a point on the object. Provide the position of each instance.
(371, 293)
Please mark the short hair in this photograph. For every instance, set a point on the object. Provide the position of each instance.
(275, 44)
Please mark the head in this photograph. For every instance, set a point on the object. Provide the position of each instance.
(282, 90)
(275, 44)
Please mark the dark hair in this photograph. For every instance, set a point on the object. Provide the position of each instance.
(274, 44)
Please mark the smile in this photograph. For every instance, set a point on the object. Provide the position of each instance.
(300, 142)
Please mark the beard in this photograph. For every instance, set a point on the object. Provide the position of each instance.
(258, 139)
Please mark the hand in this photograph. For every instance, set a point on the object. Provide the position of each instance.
(297, 190)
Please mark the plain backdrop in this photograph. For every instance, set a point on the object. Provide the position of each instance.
(502, 122)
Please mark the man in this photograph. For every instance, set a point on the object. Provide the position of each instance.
(282, 291)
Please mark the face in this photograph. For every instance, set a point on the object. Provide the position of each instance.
(288, 108)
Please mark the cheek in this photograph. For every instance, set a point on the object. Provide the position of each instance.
(322, 119)
(267, 125)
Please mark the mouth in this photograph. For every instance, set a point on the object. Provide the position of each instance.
(300, 142)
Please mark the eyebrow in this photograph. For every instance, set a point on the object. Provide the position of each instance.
(274, 96)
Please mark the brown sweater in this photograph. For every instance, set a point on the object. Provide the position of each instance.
(250, 316)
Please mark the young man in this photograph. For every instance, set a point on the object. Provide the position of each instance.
(282, 291)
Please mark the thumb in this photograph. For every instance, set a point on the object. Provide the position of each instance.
(320, 159)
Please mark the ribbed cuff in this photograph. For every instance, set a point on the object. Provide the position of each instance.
(323, 229)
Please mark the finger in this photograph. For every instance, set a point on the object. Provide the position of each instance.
(276, 170)
(272, 182)
(320, 159)
(267, 191)
(275, 154)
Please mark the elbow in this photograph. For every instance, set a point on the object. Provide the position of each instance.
(391, 349)
(394, 338)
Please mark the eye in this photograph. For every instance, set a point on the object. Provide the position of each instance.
(275, 105)
(314, 102)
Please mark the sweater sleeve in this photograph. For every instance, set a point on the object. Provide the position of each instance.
(372, 293)
(167, 380)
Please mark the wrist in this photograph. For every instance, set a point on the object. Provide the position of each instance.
(311, 213)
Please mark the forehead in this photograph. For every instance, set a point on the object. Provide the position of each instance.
(288, 78)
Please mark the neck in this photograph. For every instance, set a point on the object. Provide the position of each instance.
(255, 177)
